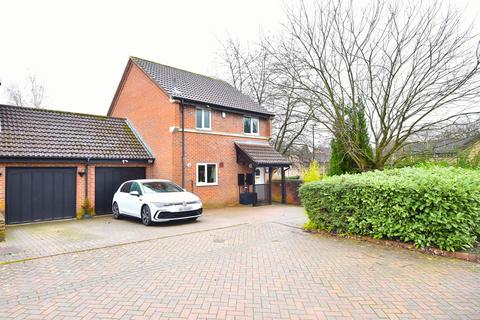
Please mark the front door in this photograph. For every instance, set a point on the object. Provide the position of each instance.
(260, 176)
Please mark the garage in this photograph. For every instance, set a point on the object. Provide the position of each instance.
(39, 194)
(108, 180)
(49, 160)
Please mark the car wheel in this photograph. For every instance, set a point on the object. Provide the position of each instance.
(115, 211)
(146, 216)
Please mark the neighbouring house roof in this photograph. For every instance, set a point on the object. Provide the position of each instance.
(260, 154)
(40, 133)
(187, 85)
(444, 147)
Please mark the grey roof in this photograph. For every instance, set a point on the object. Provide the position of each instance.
(445, 146)
(191, 86)
(40, 133)
(261, 154)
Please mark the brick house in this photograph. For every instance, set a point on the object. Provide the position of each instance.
(51, 161)
(204, 134)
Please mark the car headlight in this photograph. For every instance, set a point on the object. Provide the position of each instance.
(161, 204)
(195, 202)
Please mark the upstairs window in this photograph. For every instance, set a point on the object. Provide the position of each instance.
(203, 119)
(250, 125)
(206, 174)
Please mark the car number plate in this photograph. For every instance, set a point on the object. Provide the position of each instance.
(186, 208)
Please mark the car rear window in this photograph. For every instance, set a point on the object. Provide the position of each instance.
(160, 186)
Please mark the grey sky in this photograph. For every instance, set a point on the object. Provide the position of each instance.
(78, 49)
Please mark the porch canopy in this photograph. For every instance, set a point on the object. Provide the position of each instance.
(262, 154)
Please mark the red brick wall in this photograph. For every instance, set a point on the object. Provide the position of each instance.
(80, 197)
(232, 123)
(204, 148)
(292, 191)
(151, 113)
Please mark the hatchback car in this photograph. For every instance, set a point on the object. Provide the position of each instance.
(155, 201)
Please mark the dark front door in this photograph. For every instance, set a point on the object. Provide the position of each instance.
(107, 182)
(37, 194)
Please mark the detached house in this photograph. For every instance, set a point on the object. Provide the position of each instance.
(163, 123)
(204, 134)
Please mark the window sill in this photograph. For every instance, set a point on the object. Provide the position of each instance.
(206, 184)
(251, 134)
(204, 129)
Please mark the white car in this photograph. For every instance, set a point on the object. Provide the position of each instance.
(155, 201)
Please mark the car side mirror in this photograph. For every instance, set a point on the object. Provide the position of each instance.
(134, 193)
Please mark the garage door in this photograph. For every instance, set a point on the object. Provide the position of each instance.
(37, 194)
(108, 180)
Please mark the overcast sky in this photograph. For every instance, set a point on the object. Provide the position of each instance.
(78, 49)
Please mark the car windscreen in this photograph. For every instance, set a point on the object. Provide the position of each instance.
(160, 186)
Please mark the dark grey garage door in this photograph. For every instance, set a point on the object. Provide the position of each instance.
(37, 194)
(107, 181)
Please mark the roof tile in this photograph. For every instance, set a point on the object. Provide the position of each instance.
(191, 86)
(31, 132)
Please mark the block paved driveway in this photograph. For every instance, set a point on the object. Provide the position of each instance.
(240, 263)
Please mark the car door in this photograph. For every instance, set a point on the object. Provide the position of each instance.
(123, 196)
(135, 202)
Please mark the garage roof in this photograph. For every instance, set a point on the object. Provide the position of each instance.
(198, 88)
(40, 133)
(260, 154)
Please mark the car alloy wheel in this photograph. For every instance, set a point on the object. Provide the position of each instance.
(146, 217)
(115, 211)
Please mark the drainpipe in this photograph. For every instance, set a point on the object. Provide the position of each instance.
(183, 142)
(86, 178)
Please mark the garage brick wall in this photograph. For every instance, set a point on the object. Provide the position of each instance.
(153, 115)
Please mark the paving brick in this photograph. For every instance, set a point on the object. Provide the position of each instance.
(260, 270)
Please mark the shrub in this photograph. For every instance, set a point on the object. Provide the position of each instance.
(312, 173)
(87, 208)
(434, 206)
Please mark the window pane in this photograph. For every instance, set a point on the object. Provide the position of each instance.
(254, 125)
(201, 173)
(246, 125)
(136, 187)
(211, 173)
(199, 118)
(126, 187)
(206, 119)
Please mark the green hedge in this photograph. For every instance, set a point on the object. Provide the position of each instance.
(434, 206)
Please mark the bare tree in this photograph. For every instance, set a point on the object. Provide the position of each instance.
(255, 73)
(31, 95)
(411, 64)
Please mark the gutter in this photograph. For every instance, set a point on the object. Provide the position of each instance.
(73, 160)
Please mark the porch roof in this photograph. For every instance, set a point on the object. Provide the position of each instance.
(260, 154)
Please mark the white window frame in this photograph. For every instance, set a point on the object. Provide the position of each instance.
(251, 126)
(203, 118)
(206, 173)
